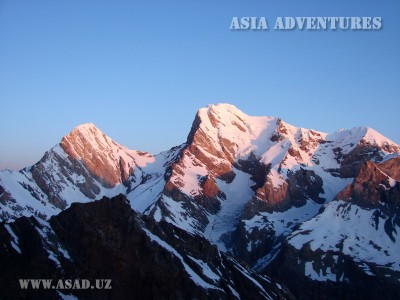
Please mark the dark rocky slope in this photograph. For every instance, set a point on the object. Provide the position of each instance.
(351, 249)
(106, 239)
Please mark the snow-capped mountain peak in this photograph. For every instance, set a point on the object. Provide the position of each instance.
(87, 164)
(231, 131)
(349, 139)
(110, 162)
(246, 183)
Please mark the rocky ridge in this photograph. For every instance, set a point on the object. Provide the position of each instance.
(252, 186)
(142, 258)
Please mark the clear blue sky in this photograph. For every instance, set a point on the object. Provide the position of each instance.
(140, 71)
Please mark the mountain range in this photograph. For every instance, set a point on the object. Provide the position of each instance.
(319, 213)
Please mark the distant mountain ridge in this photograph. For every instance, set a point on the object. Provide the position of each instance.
(250, 185)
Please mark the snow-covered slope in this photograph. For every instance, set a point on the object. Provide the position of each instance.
(353, 231)
(86, 165)
(352, 244)
(233, 169)
(245, 183)
(239, 177)
(141, 258)
(109, 162)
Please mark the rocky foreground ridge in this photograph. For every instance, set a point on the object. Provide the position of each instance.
(287, 201)
(143, 259)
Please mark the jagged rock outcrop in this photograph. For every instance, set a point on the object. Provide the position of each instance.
(54, 171)
(373, 187)
(107, 161)
(247, 184)
(316, 274)
(302, 182)
(391, 167)
(85, 166)
(350, 249)
(107, 240)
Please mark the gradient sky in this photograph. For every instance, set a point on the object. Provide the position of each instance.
(140, 71)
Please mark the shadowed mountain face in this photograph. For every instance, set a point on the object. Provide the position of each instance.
(106, 239)
(350, 249)
(252, 186)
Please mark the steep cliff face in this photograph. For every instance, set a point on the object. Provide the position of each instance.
(373, 186)
(313, 170)
(86, 165)
(108, 162)
(55, 173)
(316, 274)
(143, 259)
(350, 249)
(247, 184)
(391, 167)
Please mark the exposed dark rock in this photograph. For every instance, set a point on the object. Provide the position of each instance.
(350, 163)
(392, 168)
(351, 281)
(301, 186)
(32, 262)
(145, 260)
(255, 168)
(197, 207)
(219, 144)
(372, 187)
(295, 191)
